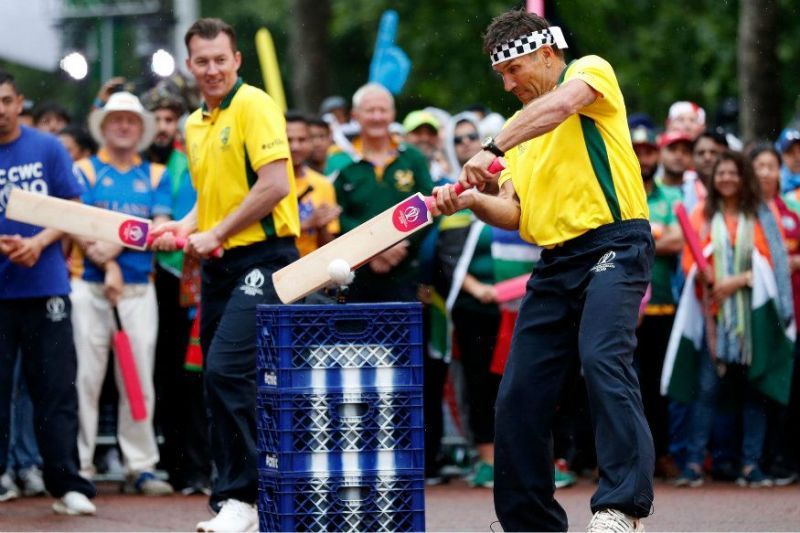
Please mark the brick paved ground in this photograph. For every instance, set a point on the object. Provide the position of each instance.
(453, 507)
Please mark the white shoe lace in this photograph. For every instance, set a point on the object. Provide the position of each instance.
(612, 521)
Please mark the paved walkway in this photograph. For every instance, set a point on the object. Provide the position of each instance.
(453, 507)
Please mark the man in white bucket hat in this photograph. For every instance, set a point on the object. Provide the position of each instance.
(117, 178)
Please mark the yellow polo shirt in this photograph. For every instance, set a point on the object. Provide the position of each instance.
(584, 173)
(313, 190)
(226, 147)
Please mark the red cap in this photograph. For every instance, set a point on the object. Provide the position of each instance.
(672, 137)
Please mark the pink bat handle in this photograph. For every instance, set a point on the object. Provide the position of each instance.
(511, 289)
(693, 241)
(180, 242)
(495, 167)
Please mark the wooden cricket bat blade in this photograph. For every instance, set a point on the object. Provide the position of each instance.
(77, 219)
(358, 246)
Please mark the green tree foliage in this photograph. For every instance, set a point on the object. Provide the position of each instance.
(662, 51)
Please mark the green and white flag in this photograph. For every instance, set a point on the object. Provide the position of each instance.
(773, 341)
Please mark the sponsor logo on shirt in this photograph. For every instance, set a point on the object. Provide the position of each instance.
(56, 309)
(253, 283)
(272, 144)
(28, 177)
(225, 135)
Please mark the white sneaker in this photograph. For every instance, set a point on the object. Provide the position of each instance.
(233, 516)
(8, 490)
(32, 481)
(613, 521)
(74, 503)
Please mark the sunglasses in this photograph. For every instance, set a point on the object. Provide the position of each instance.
(458, 139)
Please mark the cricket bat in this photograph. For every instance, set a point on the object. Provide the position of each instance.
(130, 374)
(693, 241)
(511, 289)
(310, 273)
(82, 220)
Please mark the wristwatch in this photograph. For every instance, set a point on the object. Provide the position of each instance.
(488, 144)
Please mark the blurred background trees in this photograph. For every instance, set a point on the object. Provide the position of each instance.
(724, 55)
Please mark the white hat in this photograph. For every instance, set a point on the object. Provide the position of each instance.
(123, 101)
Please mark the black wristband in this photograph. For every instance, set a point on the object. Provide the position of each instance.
(492, 147)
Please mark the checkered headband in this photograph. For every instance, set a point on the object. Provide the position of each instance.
(527, 44)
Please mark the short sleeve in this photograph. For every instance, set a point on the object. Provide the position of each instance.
(505, 174)
(85, 172)
(599, 75)
(264, 130)
(65, 177)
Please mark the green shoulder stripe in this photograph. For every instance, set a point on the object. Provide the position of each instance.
(598, 155)
(267, 223)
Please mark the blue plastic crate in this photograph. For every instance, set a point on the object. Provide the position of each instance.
(329, 347)
(360, 501)
(322, 432)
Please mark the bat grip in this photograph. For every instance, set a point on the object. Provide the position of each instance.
(116, 317)
(496, 166)
(180, 243)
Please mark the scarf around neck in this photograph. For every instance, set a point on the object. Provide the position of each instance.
(734, 344)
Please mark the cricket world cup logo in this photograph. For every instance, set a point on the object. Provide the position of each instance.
(410, 214)
(133, 233)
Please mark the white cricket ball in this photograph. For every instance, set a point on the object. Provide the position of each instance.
(339, 271)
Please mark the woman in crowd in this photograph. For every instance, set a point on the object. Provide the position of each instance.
(732, 223)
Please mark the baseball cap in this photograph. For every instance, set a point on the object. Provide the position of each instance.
(641, 119)
(643, 135)
(682, 107)
(331, 103)
(787, 138)
(672, 137)
(415, 119)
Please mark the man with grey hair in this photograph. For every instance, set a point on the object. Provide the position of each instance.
(119, 281)
(379, 172)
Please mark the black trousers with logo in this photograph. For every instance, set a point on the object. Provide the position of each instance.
(41, 330)
(582, 302)
(232, 288)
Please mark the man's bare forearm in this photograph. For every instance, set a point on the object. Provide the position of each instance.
(268, 190)
(546, 113)
(499, 211)
(48, 236)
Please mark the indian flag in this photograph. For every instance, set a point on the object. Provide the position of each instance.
(773, 341)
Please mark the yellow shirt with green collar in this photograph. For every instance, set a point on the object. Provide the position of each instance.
(226, 146)
(584, 173)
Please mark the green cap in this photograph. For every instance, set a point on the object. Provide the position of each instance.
(415, 119)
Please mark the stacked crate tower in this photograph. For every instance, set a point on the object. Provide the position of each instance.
(340, 429)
